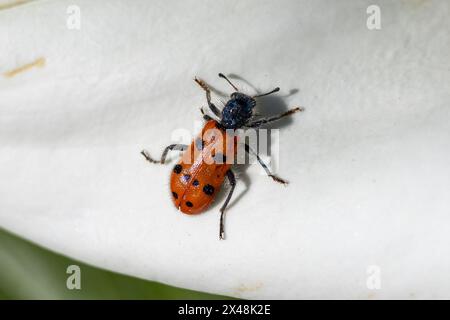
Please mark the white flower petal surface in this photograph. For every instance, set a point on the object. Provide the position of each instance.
(368, 160)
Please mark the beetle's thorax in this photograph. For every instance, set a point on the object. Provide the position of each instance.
(237, 111)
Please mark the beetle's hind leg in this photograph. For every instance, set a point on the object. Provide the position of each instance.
(232, 179)
(180, 147)
(211, 105)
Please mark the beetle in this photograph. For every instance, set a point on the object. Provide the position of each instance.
(205, 163)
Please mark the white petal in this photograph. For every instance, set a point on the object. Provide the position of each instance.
(368, 160)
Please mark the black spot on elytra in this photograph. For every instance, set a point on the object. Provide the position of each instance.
(208, 189)
(186, 177)
(175, 195)
(195, 183)
(177, 169)
(189, 204)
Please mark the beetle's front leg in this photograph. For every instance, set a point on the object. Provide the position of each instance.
(211, 105)
(205, 116)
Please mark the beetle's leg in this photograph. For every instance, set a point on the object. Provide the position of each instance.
(205, 116)
(180, 147)
(269, 173)
(211, 105)
(232, 179)
(260, 122)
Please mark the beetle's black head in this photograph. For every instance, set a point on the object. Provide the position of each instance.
(237, 110)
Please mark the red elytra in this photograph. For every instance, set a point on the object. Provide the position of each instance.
(200, 173)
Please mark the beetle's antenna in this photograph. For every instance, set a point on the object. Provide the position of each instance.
(265, 94)
(228, 80)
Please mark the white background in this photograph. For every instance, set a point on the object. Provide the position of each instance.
(368, 161)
